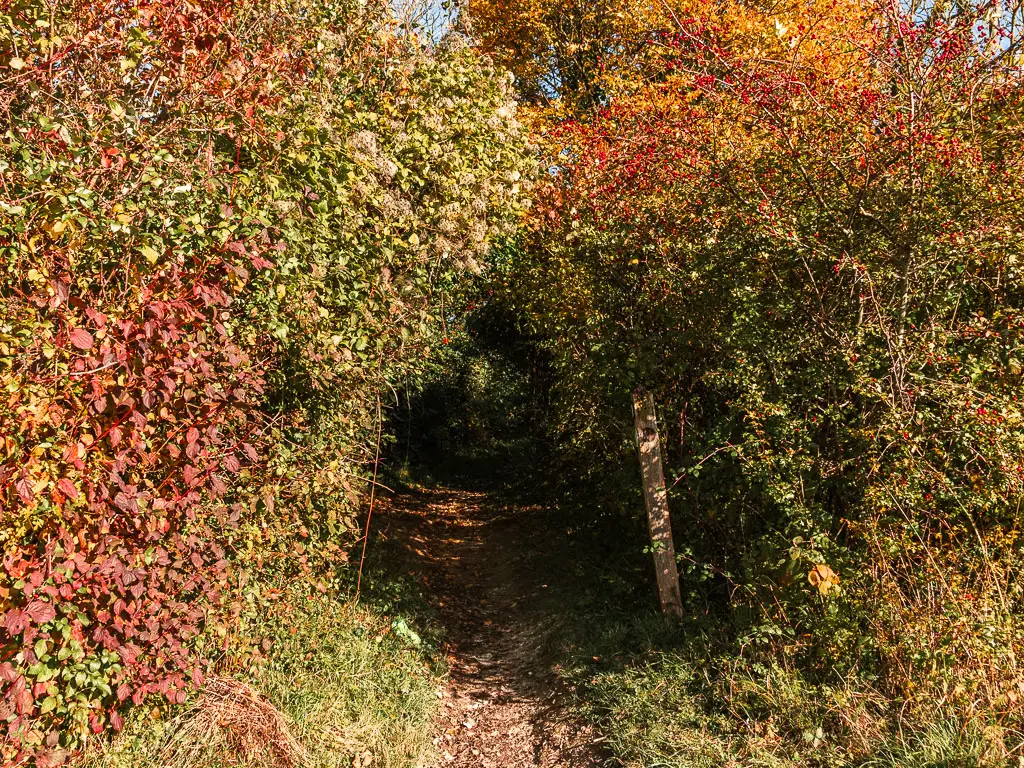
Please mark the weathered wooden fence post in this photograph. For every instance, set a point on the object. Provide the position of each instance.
(656, 497)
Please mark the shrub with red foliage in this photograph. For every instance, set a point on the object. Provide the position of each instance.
(195, 252)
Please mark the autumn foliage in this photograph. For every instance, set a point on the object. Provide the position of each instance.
(221, 228)
(802, 230)
(228, 228)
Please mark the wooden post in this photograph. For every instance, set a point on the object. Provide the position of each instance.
(656, 497)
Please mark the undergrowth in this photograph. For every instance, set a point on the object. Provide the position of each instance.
(726, 687)
(355, 685)
(688, 708)
(666, 695)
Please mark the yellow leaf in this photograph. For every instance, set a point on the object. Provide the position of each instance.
(823, 577)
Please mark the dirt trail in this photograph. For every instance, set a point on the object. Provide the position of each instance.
(501, 708)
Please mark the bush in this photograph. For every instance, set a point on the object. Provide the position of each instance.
(801, 231)
(225, 227)
(339, 685)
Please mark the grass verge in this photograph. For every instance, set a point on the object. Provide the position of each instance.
(670, 695)
(351, 686)
(682, 705)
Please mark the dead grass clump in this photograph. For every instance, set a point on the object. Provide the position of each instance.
(230, 722)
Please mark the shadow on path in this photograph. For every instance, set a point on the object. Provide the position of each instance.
(501, 708)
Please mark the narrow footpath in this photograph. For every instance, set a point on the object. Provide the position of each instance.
(501, 707)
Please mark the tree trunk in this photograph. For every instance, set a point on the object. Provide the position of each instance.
(656, 497)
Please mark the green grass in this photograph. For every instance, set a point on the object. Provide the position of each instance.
(670, 695)
(355, 687)
(669, 698)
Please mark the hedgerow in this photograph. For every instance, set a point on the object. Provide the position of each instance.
(224, 228)
(801, 230)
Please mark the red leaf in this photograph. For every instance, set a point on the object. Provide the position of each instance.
(97, 317)
(192, 435)
(24, 488)
(15, 622)
(41, 612)
(51, 759)
(81, 338)
(22, 698)
(67, 488)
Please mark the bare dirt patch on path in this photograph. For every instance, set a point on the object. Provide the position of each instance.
(501, 707)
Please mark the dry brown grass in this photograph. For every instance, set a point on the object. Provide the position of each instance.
(231, 723)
